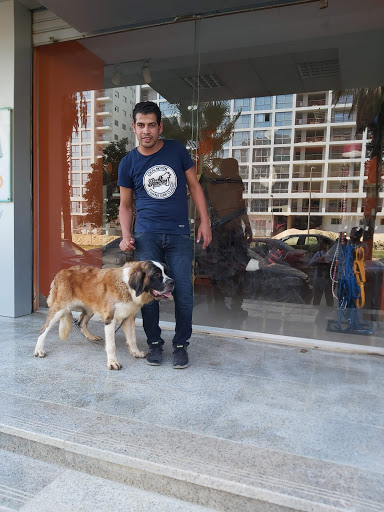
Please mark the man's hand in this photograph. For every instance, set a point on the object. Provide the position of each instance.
(127, 244)
(248, 233)
(204, 232)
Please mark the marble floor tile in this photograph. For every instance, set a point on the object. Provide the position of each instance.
(78, 492)
(22, 478)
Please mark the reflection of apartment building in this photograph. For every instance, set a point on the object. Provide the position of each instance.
(299, 156)
(109, 114)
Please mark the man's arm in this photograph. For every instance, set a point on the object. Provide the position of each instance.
(126, 217)
(198, 197)
(247, 225)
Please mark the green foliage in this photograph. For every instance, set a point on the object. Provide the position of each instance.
(366, 102)
(194, 126)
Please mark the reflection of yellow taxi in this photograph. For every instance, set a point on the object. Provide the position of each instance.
(310, 243)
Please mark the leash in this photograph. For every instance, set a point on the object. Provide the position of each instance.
(75, 324)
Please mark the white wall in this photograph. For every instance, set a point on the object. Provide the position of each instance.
(16, 216)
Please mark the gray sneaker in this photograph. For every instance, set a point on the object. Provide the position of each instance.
(155, 355)
(180, 357)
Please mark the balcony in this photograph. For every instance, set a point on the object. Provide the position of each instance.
(104, 96)
(339, 207)
(311, 120)
(305, 209)
(308, 156)
(316, 138)
(311, 101)
(103, 127)
(104, 113)
(343, 170)
(346, 135)
(306, 173)
(300, 187)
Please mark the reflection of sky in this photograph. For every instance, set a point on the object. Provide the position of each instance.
(4, 154)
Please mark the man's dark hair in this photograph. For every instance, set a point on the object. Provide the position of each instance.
(147, 107)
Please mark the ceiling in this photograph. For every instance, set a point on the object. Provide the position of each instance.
(285, 49)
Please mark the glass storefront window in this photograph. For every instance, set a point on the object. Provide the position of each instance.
(290, 168)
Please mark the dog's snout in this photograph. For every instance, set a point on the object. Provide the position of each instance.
(169, 281)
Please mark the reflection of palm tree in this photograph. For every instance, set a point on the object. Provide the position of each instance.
(104, 176)
(369, 107)
(74, 115)
(210, 125)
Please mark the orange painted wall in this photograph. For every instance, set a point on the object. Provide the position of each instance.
(60, 69)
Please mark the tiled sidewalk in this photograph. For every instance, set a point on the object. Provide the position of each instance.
(278, 420)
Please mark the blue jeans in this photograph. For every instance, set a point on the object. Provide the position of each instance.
(176, 251)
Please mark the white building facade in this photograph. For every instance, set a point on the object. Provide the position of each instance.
(301, 161)
(108, 120)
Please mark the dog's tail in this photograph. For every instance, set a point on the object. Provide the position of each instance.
(65, 326)
(52, 297)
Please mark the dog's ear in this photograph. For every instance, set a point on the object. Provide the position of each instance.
(136, 281)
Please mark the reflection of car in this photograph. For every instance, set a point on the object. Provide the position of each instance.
(271, 282)
(73, 254)
(277, 283)
(277, 251)
(111, 255)
(310, 243)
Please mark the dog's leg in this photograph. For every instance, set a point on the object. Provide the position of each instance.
(110, 345)
(85, 317)
(130, 335)
(65, 326)
(52, 319)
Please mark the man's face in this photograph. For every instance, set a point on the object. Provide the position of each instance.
(147, 130)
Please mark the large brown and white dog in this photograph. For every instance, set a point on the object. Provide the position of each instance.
(115, 294)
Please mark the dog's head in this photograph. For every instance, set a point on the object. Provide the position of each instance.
(150, 277)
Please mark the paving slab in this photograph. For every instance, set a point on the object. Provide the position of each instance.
(249, 425)
(31, 485)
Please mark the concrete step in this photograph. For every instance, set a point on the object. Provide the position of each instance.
(31, 485)
(102, 452)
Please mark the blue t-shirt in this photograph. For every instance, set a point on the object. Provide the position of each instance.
(160, 188)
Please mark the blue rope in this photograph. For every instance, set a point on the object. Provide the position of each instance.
(348, 291)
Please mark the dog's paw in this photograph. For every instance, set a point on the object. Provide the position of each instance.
(39, 353)
(114, 365)
(94, 338)
(139, 353)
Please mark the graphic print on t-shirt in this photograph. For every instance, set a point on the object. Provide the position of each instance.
(160, 181)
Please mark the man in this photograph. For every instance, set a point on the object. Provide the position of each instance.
(226, 259)
(322, 283)
(157, 172)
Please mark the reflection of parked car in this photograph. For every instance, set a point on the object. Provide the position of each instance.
(310, 243)
(73, 254)
(271, 282)
(276, 251)
(111, 255)
(277, 283)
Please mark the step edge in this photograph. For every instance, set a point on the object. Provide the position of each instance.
(186, 477)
